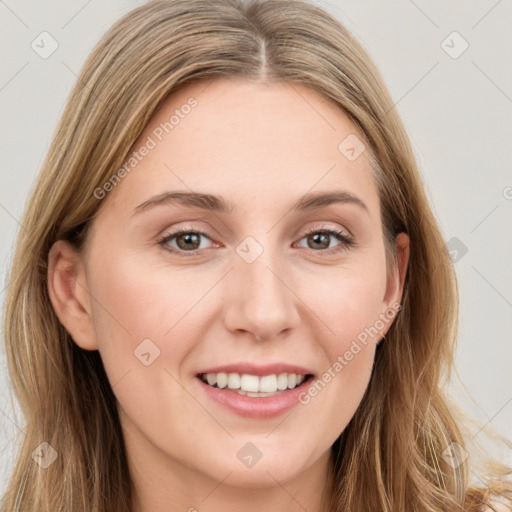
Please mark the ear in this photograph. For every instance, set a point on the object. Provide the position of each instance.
(395, 282)
(68, 291)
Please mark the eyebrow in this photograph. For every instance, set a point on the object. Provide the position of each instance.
(215, 203)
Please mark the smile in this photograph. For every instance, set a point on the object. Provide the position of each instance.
(253, 396)
(253, 385)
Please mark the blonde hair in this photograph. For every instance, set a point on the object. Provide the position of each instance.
(389, 457)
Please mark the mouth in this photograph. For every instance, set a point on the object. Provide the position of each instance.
(256, 386)
(252, 396)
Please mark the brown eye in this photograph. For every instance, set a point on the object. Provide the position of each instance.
(320, 240)
(187, 240)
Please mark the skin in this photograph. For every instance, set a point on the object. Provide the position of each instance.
(262, 147)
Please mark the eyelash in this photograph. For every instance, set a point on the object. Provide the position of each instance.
(346, 241)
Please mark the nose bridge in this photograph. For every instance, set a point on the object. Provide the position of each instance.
(261, 300)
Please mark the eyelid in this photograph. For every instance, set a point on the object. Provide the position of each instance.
(344, 231)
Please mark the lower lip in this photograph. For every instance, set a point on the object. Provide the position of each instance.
(256, 407)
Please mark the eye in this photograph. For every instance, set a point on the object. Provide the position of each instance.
(189, 240)
(320, 239)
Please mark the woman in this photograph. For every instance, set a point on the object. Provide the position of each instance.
(294, 358)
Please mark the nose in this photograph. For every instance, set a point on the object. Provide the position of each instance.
(261, 300)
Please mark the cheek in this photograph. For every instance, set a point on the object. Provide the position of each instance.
(140, 297)
(140, 309)
(347, 304)
(350, 307)
(141, 318)
(345, 319)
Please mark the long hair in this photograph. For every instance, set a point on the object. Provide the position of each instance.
(392, 455)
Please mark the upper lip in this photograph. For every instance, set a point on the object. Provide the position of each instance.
(256, 369)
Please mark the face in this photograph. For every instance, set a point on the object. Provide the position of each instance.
(274, 283)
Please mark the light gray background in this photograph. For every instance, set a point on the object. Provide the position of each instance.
(458, 112)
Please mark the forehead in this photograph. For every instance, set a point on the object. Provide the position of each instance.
(248, 141)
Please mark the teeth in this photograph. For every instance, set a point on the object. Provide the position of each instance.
(253, 385)
(268, 384)
(233, 381)
(249, 383)
(222, 380)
